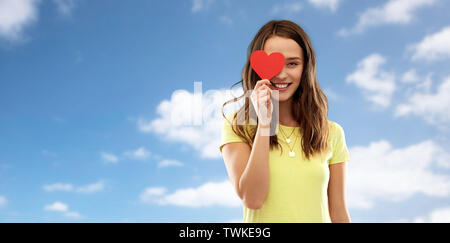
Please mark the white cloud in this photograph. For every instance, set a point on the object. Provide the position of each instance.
(3, 201)
(433, 47)
(410, 76)
(207, 195)
(286, 8)
(169, 162)
(413, 83)
(392, 12)
(68, 187)
(72, 215)
(432, 107)
(91, 188)
(377, 84)
(62, 207)
(201, 5)
(331, 4)
(440, 215)
(57, 206)
(65, 7)
(138, 154)
(150, 193)
(58, 187)
(15, 15)
(378, 172)
(192, 118)
(109, 157)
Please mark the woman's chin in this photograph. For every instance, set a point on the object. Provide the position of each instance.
(282, 98)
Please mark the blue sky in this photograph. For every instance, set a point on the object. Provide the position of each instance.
(89, 91)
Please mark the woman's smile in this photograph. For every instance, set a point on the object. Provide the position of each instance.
(280, 86)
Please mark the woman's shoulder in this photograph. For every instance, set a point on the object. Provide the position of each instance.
(333, 124)
(335, 128)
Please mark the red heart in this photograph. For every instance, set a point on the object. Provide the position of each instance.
(267, 66)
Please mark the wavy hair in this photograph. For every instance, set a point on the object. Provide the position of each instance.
(310, 105)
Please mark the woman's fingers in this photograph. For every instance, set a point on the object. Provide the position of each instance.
(265, 100)
(261, 85)
(261, 99)
(262, 82)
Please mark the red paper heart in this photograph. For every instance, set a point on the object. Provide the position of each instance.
(267, 66)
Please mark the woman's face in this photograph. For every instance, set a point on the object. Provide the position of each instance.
(293, 68)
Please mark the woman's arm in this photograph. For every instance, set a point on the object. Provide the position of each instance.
(254, 182)
(336, 194)
(250, 173)
(248, 169)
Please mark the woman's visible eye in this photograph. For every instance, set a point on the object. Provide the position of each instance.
(295, 64)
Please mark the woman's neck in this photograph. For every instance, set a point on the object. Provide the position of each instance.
(285, 116)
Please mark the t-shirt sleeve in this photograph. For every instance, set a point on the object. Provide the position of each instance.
(340, 152)
(228, 136)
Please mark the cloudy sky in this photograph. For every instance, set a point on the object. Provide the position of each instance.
(97, 118)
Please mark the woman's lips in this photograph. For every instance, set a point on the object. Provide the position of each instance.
(280, 89)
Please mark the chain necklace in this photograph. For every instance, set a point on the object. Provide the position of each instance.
(288, 141)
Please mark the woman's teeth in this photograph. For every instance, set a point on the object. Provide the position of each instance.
(281, 86)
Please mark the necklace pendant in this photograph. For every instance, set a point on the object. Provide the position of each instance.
(291, 154)
(288, 140)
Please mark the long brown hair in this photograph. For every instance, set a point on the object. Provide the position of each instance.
(310, 105)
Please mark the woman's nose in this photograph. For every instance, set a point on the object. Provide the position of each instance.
(281, 75)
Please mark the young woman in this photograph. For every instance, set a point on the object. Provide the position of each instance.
(296, 173)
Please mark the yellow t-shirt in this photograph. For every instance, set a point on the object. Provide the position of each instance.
(298, 187)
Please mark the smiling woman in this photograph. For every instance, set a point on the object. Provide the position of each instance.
(307, 182)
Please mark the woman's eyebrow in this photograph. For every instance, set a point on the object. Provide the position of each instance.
(291, 58)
